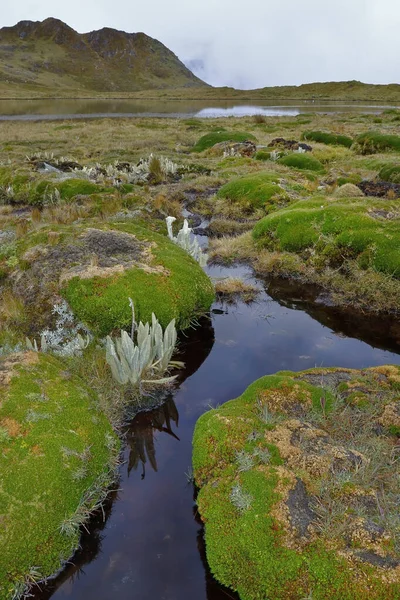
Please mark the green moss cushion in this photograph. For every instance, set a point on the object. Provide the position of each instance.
(301, 161)
(288, 475)
(360, 229)
(257, 190)
(171, 284)
(56, 457)
(210, 139)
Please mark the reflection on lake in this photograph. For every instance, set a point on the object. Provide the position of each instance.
(50, 109)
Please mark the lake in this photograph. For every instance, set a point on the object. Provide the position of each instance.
(53, 109)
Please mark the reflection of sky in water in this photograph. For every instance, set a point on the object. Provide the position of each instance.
(248, 111)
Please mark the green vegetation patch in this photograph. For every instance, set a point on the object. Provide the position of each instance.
(35, 189)
(273, 465)
(57, 457)
(372, 142)
(210, 139)
(301, 161)
(335, 231)
(390, 173)
(328, 138)
(172, 285)
(262, 155)
(258, 190)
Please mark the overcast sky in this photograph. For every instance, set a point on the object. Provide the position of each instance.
(249, 43)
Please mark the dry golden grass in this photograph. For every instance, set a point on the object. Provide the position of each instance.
(167, 206)
(232, 249)
(21, 228)
(233, 288)
(36, 215)
(11, 309)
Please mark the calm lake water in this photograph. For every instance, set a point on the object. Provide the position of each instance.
(79, 109)
(150, 547)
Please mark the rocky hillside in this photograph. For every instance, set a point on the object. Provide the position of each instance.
(50, 55)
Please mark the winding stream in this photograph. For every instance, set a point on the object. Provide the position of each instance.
(151, 547)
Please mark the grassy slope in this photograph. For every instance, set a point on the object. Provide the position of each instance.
(54, 448)
(334, 91)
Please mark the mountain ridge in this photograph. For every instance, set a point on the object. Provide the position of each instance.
(51, 54)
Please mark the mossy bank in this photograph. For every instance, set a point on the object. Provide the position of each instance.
(58, 455)
(293, 478)
(98, 269)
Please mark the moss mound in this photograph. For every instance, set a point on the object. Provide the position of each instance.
(330, 232)
(348, 190)
(372, 142)
(57, 453)
(301, 161)
(260, 190)
(262, 155)
(210, 139)
(170, 283)
(39, 189)
(328, 138)
(288, 488)
(391, 173)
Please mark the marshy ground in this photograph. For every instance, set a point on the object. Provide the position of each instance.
(312, 199)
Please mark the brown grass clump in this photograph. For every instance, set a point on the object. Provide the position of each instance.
(221, 227)
(53, 238)
(22, 228)
(232, 249)
(36, 215)
(11, 309)
(232, 288)
(167, 206)
(64, 214)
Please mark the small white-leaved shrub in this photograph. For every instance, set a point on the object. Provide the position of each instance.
(185, 240)
(67, 339)
(144, 355)
(130, 174)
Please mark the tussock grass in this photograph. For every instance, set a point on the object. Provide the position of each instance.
(390, 173)
(233, 288)
(232, 249)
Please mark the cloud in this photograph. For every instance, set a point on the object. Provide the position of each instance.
(254, 43)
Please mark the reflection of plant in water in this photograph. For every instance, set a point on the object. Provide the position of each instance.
(140, 435)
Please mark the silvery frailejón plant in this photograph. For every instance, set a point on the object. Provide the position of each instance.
(185, 240)
(147, 358)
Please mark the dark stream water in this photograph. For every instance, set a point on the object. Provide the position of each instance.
(151, 545)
